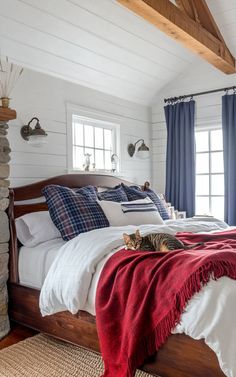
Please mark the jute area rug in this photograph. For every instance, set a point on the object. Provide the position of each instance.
(41, 356)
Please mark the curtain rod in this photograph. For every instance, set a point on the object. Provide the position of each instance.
(173, 99)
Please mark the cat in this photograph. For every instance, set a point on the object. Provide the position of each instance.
(155, 242)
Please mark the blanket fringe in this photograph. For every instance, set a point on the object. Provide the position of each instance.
(153, 341)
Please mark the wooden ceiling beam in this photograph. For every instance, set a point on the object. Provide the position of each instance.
(198, 10)
(188, 7)
(179, 25)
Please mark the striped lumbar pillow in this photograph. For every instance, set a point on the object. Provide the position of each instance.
(137, 212)
(134, 193)
(138, 207)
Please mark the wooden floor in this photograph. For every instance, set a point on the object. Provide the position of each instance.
(16, 334)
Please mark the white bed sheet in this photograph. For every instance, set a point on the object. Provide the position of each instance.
(34, 262)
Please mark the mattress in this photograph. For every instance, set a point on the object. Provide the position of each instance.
(34, 262)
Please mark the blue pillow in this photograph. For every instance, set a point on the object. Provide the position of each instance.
(134, 192)
(74, 211)
(87, 191)
(114, 195)
(158, 203)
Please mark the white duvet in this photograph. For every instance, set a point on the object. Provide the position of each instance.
(72, 280)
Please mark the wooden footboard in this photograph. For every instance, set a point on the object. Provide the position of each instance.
(180, 356)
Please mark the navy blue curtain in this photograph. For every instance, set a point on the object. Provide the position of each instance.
(229, 144)
(180, 158)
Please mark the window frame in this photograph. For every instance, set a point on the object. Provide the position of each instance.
(94, 118)
(209, 129)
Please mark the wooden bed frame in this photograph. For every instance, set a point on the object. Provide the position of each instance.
(180, 356)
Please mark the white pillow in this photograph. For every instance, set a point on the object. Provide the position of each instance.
(136, 212)
(35, 228)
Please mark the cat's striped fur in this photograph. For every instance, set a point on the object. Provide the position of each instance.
(155, 242)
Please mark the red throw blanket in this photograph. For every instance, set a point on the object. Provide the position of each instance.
(141, 295)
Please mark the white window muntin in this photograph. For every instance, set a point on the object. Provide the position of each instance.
(96, 119)
(210, 173)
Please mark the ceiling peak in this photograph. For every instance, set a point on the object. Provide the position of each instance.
(191, 23)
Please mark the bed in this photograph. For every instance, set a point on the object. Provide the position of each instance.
(180, 356)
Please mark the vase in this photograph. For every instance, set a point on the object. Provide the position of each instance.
(5, 102)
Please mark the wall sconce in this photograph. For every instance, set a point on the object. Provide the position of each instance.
(142, 152)
(35, 136)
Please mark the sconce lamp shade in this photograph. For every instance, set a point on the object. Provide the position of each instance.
(35, 136)
(142, 152)
(37, 140)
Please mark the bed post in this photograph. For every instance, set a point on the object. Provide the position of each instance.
(13, 246)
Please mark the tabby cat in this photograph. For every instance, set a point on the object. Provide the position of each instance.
(155, 241)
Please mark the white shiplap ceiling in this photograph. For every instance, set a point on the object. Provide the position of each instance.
(98, 44)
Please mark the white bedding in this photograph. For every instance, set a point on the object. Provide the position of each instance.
(72, 280)
(34, 262)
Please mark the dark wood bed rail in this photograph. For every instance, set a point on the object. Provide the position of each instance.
(13, 243)
(34, 190)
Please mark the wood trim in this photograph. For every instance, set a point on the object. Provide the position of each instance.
(180, 356)
(7, 114)
(178, 25)
(13, 244)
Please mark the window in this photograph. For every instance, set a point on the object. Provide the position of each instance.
(209, 173)
(96, 137)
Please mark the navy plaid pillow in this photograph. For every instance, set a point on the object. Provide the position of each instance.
(74, 211)
(134, 192)
(89, 190)
(114, 195)
(158, 203)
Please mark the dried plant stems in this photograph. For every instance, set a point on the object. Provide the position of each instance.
(9, 75)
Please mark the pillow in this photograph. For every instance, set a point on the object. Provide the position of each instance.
(74, 212)
(89, 190)
(133, 192)
(35, 228)
(159, 203)
(135, 212)
(115, 195)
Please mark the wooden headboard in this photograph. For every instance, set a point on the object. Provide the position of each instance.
(21, 203)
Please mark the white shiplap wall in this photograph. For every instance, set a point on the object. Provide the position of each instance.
(40, 95)
(197, 78)
(95, 43)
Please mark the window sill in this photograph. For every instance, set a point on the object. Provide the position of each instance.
(102, 172)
